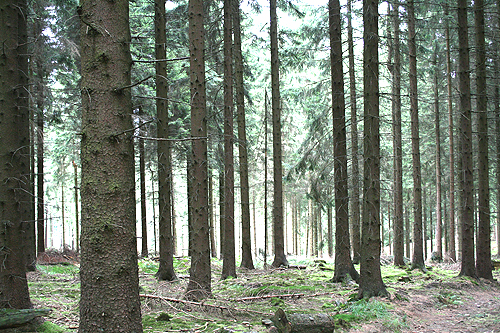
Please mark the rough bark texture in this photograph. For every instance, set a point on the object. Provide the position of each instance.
(483, 250)
(229, 262)
(355, 202)
(279, 239)
(109, 273)
(467, 182)
(451, 221)
(439, 233)
(496, 102)
(418, 244)
(370, 280)
(14, 154)
(166, 241)
(398, 223)
(199, 285)
(303, 323)
(142, 181)
(343, 262)
(246, 244)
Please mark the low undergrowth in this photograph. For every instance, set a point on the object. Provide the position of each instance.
(246, 302)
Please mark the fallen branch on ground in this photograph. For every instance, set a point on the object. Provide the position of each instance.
(213, 306)
(256, 298)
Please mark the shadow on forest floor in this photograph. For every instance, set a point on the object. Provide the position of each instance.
(435, 301)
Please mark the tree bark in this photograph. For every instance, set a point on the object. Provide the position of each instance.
(229, 262)
(14, 154)
(303, 323)
(398, 223)
(451, 221)
(496, 102)
(370, 280)
(199, 286)
(343, 262)
(467, 181)
(418, 252)
(142, 181)
(279, 241)
(483, 250)
(246, 244)
(439, 232)
(109, 272)
(77, 210)
(166, 239)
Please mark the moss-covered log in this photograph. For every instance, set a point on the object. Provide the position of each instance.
(18, 317)
(303, 323)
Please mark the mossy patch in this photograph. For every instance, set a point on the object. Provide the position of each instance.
(49, 327)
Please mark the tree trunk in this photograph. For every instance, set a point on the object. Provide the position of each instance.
(398, 223)
(343, 262)
(200, 274)
(39, 152)
(483, 254)
(370, 280)
(166, 241)
(211, 219)
(355, 204)
(451, 222)
(265, 183)
(279, 246)
(77, 213)
(109, 272)
(439, 232)
(467, 181)
(418, 252)
(14, 153)
(496, 102)
(142, 181)
(229, 262)
(30, 226)
(303, 323)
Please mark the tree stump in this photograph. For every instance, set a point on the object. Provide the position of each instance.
(17, 317)
(303, 323)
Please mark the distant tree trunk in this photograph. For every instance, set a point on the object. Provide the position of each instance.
(496, 102)
(398, 223)
(439, 233)
(407, 233)
(199, 286)
(77, 213)
(229, 262)
(418, 249)
(451, 221)
(265, 183)
(279, 246)
(62, 214)
(211, 220)
(166, 242)
(14, 153)
(355, 204)
(30, 226)
(343, 262)
(330, 231)
(189, 187)
(153, 207)
(173, 215)
(370, 280)
(424, 213)
(221, 207)
(142, 181)
(467, 182)
(483, 254)
(40, 151)
(109, 271)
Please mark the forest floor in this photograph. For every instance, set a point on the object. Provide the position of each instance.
(433, 301)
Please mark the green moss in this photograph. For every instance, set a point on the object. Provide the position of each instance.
(48, 327)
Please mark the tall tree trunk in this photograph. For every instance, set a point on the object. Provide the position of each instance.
(229, 262)
(211, 219)
(77, 212)
(355, 204)
(200, 274)
(221, 205)
(279, 246)
(398, 224)
(166, 242)
(451, 221)
(483, 254)
(142, 181)
(496, 102)
(467, 180)
(370, 280)
(14, 153)
(343, 262)
(439, 232)
(265, 183)
(40, 141)
(109, 272)
(418, 248)
(62, 212)
(30, 226)
(246, 244)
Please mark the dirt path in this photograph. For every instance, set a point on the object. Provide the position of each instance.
(461, 306)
